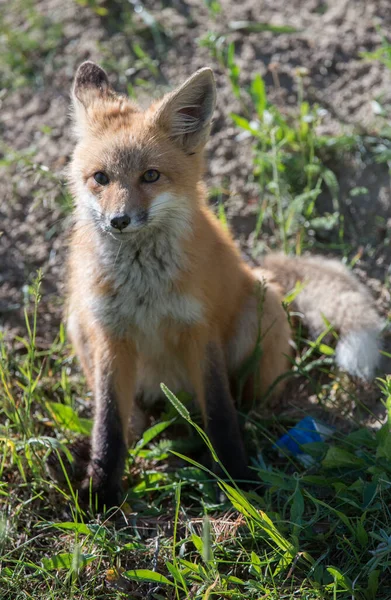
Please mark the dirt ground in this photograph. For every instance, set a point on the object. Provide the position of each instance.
(329, 37)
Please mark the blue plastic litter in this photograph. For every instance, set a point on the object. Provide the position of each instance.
(306, 431)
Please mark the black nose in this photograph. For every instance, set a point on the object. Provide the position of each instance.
(120, 222)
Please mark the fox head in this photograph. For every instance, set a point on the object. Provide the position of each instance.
(135, 168)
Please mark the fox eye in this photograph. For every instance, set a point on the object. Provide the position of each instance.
(150, 176)
(101, 178)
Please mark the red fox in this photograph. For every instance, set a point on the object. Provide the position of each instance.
(158, 290)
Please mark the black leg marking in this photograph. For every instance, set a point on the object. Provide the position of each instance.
(222, 424)
(108, 451)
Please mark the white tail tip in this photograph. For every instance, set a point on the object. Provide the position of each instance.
(358, 353)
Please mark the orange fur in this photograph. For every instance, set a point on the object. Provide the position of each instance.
(123, 141)
(217, 277)
(168, 298)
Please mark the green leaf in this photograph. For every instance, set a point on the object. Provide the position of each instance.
(292, 294)
(257, 27)
(344, 518)
(331, 181)
(278, 480)
(255, 563)
(207, 552)
(235, 580)
(65, 561)
(325, 349)
(358, 191)
(259, 518)
(196, 570)
(6, 571)
(66, 417)
(341, 579)
(384, 448)
(77, 527)
(101, 11)
(361, 437)
(361, 534)
(153, 432)
(193, 462)
(297, 507)
(181, 408)
(369, 493)
(146, 575)
(373, 584)
(296, 206)
(245, 124)
(327, 222)
(315, 449)
(337, 458)
(258, 91)
(197, 541)
(151, 481)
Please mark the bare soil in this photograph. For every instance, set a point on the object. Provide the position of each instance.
(329, 39)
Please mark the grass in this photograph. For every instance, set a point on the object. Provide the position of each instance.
(34, 40)
(50, 188)
(294, 165)
(318, 529)
(290, 158)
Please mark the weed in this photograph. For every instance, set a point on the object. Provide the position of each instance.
(50, 187)
(95, 5)
(321, 531)
(383, 53)
(317, 531)
(289, 157)
(36, 38)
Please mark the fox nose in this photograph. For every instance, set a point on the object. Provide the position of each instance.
(120, 221)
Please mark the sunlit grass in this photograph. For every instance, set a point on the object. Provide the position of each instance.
(313, 532)
(318, 531)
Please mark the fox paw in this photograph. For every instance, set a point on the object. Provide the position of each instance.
(74, 461)
(98, 492)
(99, 498)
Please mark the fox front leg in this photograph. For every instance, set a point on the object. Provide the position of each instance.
(114, 366)
(220, 416)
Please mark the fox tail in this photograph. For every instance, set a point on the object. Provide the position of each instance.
(330, 291)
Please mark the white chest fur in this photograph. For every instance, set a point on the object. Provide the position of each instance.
(141, 273)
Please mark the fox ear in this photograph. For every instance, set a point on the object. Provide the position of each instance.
(186, 112)
(90, 83)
